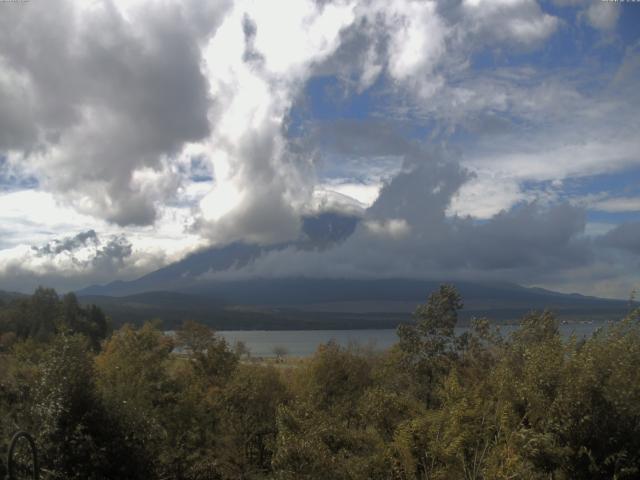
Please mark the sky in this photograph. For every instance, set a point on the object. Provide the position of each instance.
(488, 140)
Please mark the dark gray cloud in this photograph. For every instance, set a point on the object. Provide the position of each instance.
(112, 254)
(624, 237)
(527, 237)
(68, 244)
(423, 189)
(103, 255)
(407, 233)
(17, 129)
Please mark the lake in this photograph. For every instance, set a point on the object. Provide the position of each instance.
(302, 343)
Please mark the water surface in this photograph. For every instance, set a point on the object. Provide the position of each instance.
(302, 343)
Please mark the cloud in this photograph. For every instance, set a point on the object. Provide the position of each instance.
(417, 42)
(556, 127)
(603, 15)
(623, 237)
(112, 251)
(68, 244)
(356, 159)
(422, 190)
(112, 95)
(256, 64)
(78, 258)
(364, 193)
(421, 45)
(531, 239)
(522, 21)
(617, 204)
(86, 249)
(528, 124)
(406, 232)
(108, 95)
(485, 195)
(331, 201)
(35, 248)
(532, 242)
(515, 243)
(409, 232)
(393, 228)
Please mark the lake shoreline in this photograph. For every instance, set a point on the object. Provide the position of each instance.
(303, 343)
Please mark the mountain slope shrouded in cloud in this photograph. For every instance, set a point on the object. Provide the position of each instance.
(319, 232)
(221, 287)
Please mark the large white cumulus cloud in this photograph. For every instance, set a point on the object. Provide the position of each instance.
(110, 91)
(256, 63)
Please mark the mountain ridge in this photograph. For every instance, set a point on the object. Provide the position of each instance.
(185, 290)
(299, 303)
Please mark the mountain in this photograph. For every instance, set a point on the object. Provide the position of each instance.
(182, 291)
(319, 232)
(6, 297)
(300, 303)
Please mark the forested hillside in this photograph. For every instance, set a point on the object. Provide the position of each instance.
(320, 304)
(129, 405)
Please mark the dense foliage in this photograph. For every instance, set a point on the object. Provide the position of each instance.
(130, 405)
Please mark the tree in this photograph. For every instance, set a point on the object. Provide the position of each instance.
(248, 407)
(89, 321)
(429, 347)
(241, 350)
(208, 353)
(44, 314)
(280, 352)
(43, 310)
(321, 432)
(592, 422)
(133, 380)
(77, 436)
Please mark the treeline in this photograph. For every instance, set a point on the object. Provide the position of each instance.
(435, 406)
(44, 314)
